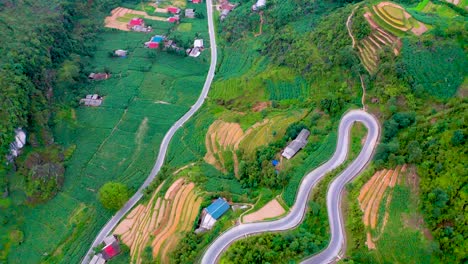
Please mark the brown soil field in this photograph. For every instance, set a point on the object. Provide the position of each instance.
(163, 218)
(370, 197)
(221, 136)
(270, 210)
(261, 105)
(112, 22)
(174, 220)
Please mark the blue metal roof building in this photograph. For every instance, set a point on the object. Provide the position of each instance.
(217, 208)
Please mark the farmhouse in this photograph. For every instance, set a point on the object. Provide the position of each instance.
(196, 1)
(225, 7)
(197, 48)
(137, 21)
(296, 144)
(258, 5)
(213, 213)
(173, 19)
(91, 100)
(98, 76)
(155, 41)
(173, 10)
(120, 53)
(139, 28)
(112, 247)
(189, 13)
(17, 145)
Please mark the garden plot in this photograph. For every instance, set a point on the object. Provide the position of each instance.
(372, 195)
(370, 46)
(395, 18)
(272, 209)
(120, 16)
(161, 222)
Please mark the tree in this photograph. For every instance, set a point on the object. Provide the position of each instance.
(113, 195)
(458, 138)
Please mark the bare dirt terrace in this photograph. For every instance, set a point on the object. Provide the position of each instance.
(272, 209)
(113, 22)
(371, 196)
(161, 222)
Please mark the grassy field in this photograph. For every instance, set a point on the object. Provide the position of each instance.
(119, 141)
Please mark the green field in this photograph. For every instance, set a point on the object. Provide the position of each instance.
(148, 91)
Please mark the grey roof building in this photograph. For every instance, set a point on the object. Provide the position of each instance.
(296, 145)
(189, 13)
(91, 100)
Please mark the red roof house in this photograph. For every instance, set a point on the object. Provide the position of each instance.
(111, 249)
(136, 22)
(196, 1)
(153, 45)
(173, 19)
(173, 10)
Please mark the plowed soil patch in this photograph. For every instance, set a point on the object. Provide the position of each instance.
(161, 221)
(370, 198)
(272, 209)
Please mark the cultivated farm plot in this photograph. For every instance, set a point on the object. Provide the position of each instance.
(371, 196)
(161, 222)
(395, 18)
(120, 16)
(117, 141)
(272, 209)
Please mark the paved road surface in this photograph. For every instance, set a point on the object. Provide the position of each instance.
(165, 143)
(297, 212)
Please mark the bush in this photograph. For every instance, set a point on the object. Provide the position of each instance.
(113, 195)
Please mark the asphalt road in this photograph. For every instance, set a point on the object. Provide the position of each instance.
(164, 144)
(297, 212)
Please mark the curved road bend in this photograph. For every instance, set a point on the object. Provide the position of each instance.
(297, 212)
(165, 143)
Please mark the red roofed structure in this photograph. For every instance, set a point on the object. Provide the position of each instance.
(136, 22)
(173, 19)
(111, 249)
(153, 45)
(196, 1)
(173, 10)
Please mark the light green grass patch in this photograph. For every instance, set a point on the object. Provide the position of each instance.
(184, 27)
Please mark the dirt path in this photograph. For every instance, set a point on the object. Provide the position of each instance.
(261, 25)
(272, 209)
(348, 26)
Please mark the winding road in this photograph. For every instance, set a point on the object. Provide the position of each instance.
(165, 142)
(297, 212)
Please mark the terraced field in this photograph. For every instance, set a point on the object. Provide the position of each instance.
(161, 222)
(370, 198)
(370, 46)
(396, 20)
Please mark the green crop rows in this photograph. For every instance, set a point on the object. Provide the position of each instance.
(147, 92)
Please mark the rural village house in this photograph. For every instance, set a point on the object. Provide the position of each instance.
(155, 41)
(189, 13)
(297, 144)
(110, 250)
(120, 53)
(91, 100)
(17, 145)
(225, 7)
(98, 76)
(173, 10)
(212, 213)
(197, 48)
(196, 1)
(258, 5)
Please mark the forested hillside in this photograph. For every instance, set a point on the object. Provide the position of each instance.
(44, 46)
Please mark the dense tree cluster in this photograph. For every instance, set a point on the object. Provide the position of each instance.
(113, 195)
